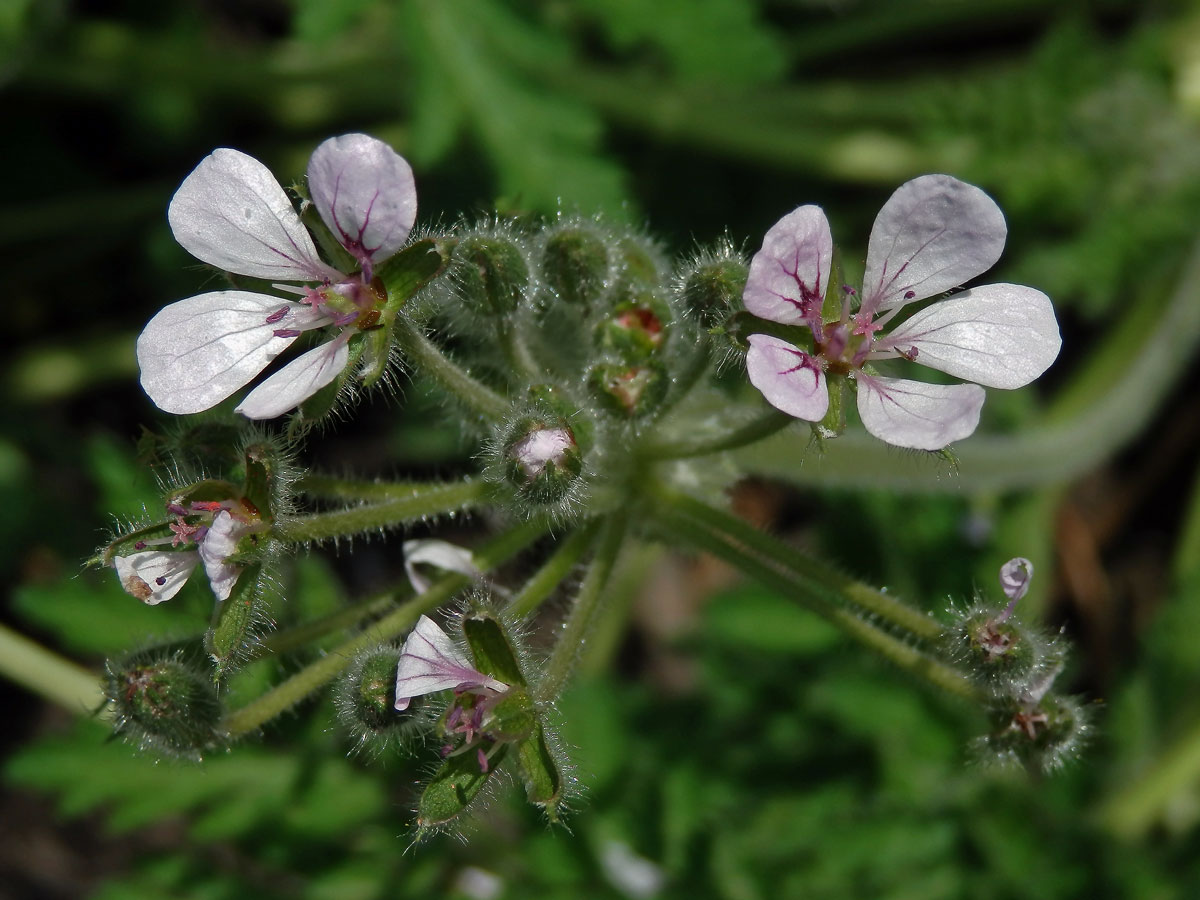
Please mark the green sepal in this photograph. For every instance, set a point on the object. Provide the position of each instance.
(636, 329)
(207, 491)
(491, 650)
(125, 545)
(231, 636)
(339, 257)
(539, 770)
(831, 309)
(834, 423)
(512, 718)
(454, 786)
(260, 478)
(410, 270)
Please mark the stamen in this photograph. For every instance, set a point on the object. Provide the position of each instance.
(277, 315)
(140, 545)
(160, 580)
(908, 295)
(483, 760)
(286, 333)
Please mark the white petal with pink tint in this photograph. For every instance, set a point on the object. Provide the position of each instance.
(140, 573)
(792, 267)
(933, 234)
(298, 380)
(999, 335)
(918, 415)
(196, 352)
(220, 543)
(365, 192)
(440, 554)
(231, 213)
(790, 379)
(430, 661)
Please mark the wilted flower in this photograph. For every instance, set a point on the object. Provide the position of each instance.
(933, 234)
(232, 213)
(430, 662)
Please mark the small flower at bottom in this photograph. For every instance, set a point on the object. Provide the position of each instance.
(233, 214)
(933, 234)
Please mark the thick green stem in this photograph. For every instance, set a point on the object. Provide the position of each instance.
(284, 696)
(419, 502)
(425, 356)
(738, 434)
(543, 582)
(851, 606)
(583, 614)
(331, 487)
(347, 617)
(47, 674)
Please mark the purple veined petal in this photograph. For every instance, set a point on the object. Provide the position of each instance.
(997, 335)
(298, 380)
(365, 192)
(430, 662)
(196, 352)
(220, 543)
(933, 234)
(918, 415)
(1015, 576)
(231, 213)
(155, 575)
(441, 554)
(790, 379)
(789, 275)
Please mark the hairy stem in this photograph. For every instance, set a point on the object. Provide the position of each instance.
(850, 605)
(414, 502)
(583, 614)
(726, 436)
(47, 674)
(543, 582)
(425, 356)
(287, 694)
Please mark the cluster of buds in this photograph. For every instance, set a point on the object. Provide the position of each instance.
(1017, 665)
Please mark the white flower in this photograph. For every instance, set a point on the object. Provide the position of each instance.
(933, 234)
(232, 213)
(431, 662)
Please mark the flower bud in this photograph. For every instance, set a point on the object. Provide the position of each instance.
(542, 459)
(365, 700)
(164, 700)
(636, 328)
(1039, 735)
(492, 273)
(575, 264)
(711, 287)
(630, 391)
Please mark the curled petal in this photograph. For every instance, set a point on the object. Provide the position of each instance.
(999, 335)
(430, 662)
(789, 378)
(918, 415)
(1015, 576)
(933, 234)
(196, 352)
(218, 545)
(155, 575)
(441, 554)
(231, 213)
(789, 275)
(365, 193)
(298, 380)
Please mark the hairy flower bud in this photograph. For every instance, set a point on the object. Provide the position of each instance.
(1039, 735)
(492, 273)
(630, 391)
(575, 264)
(542, 459)
(711, 287)
(365, 700)
(636, 328)
(164, 701)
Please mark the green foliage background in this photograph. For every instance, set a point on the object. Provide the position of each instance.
(743, 749)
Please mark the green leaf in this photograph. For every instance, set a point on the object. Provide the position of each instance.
(755, 618)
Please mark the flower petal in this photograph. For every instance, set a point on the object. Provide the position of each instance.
(933, 234)
(789, 378)
(441, 554)
(789, 275)
(998, 335)
(231, 213)
(1015, 576)
(365, 192)
(918, 415)
(196, 352)
(220, 543)
(430, 661)
(155, 575)
(298, 380)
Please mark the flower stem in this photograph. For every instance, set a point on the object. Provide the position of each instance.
(288, 693)
(347, 617)
(425, 355)
(415, 502)
(543, 582)
(739, 435)
(587, 605)
(331, 487)
(850, 605)
(47, 674)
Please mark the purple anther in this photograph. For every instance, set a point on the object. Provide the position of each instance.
(140, 545)
(910, 354)
(176, 509)
(277, 315)
(160, 580)
(850, 292)
(453, 719)
(286, 333)
(908, 295)
(345, 318)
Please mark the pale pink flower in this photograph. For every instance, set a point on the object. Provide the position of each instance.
(430, 662)
(933, 234)
(231, 213)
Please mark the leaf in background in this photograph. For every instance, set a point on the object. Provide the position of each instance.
(543, 146)
(707, 40)
(322, 21)
(755, 618)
